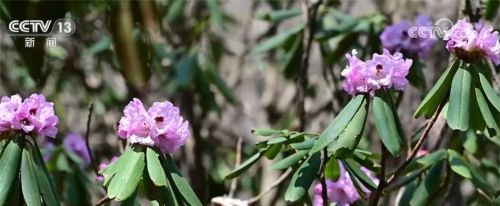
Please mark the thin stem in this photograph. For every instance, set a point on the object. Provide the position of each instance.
(413, 153)
(382, 183)
(102, 201)
(302, 81)
(87, 137)
(324, 192)
(266, 191)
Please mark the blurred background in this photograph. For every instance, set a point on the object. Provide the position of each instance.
(230, 65)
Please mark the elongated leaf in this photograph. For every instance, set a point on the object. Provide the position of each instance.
(348, 140)
(266, 132)
(273, 150)
(355, 170)
(10, 161)
(215, 12)
(155, 169)
(486, 113)
(428, 187)
(307, 144)
(221, 85)
(277, 140)
(431, 102)
(432, 158)
(127, 177)
(460, 166)
(182, 185)
(458, 114)
(45, 182)
(488, 90)
(280, 15)
(29, 184)
(385, 122)
(175, 10)
(338, 125)
(244, 166)
(163, 195)
(292, 59)
(492, 7)
(332, 169)
(277, 40)
(290, 160)
(303, 178)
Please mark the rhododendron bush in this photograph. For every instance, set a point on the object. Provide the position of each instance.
(236, 103)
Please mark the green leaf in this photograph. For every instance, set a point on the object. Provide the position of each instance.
(185, 70)
(431, 159)
(10, 161)
(276, 16)
(437, 94)
(110, 171)
(428, 187)
(458, 165)
(307, 144)
(463, 168)
(492, 7)
(155, 169)
(486, 113)
(332, 169)
(45, 182)
(276, 140)
(244, 166)
(488, 90)
(290, 160)
(266, 132)
(276, 40)
(182, 185)
(408, 193)
(303, 178)
(348, 140)
(273, 150)
(355, 170)
(221, 85)
(128, 175)
(292, 59)
(29, 184)
(386, 122)
(337, 126)
(458, 114)
(216, 15)
(175, 10)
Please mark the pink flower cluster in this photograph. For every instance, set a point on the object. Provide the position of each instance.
(396, 38)
(472, 42)
(343, 192)
(160, 126)
(33, 115)
(382, 71)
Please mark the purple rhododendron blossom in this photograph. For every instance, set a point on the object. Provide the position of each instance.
(472, 42)
(382, 71)
(396, 38)
(8, 107)
(343, 192)
(160, 126)
(75, 143)
(34, 114)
